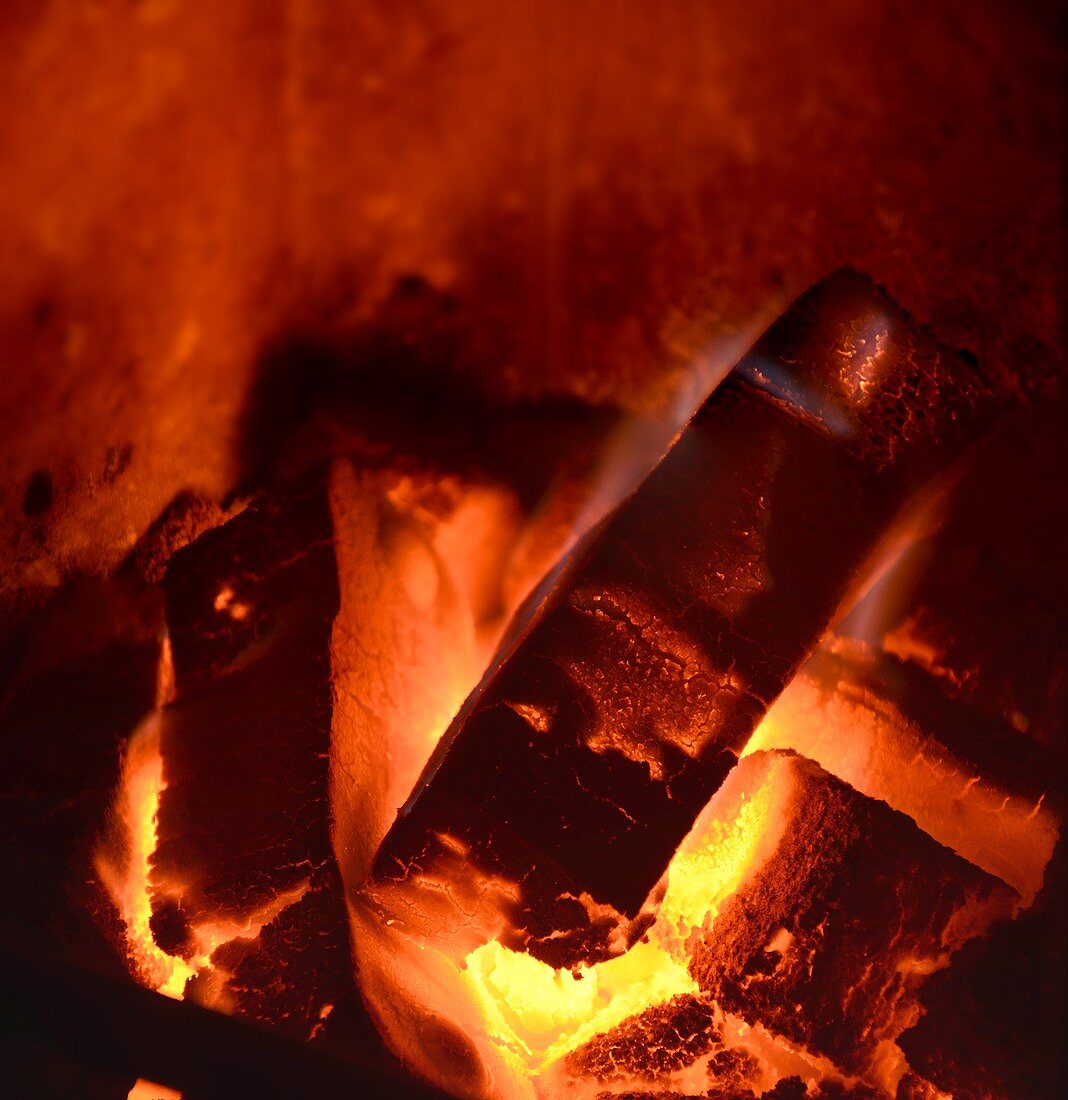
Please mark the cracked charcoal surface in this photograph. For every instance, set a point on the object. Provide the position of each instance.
(862, 895)
(244, 815)
(87, 676)
(658, 1041)
(580, 765)
(299, 962)
(252, 686)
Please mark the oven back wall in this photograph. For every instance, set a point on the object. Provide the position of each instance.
(585, 195)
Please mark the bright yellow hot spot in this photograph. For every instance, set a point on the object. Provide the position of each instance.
(127, 876)
(539, 1014)
(127, 880)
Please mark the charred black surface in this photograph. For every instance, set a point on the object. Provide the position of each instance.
(79, 1033)
(994, 1022)
(244, 817)
(827, 942)
(658, 1041)
(987, 611)
(85, 677)
(581, 764)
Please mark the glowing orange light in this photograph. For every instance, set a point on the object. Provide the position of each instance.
(126, 869)
(149, 1090)
(126, 874)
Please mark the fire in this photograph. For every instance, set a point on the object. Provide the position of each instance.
(125, 869)
(534, 1031)
(149, 1090)
(723, 974)
(524, 1022)
(524, 1019)
(126, 874)
(840, 712)
(487, 1019)
(540, 1014)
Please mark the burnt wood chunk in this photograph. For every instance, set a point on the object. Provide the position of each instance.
(893, 731)
(829, 936)
(299, 964)
(576, 768)
(244, 816)
(653, 1043)
(985, 580)
(994, 1022)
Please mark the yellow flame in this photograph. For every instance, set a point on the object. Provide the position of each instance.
(540, 1014)
(128, 881)
(126, 875)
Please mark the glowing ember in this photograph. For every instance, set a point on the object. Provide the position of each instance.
(625, 695)
(603, 881)
(126, 874)
(127, 877)
(540, 1014)
(149, 1090)
(571, 1030)
(849, 708)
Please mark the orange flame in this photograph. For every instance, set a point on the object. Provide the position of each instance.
(125, 869)
(522, 1018)
(831, 716)
(540, 1014)
(149, 1090)
(126, 874)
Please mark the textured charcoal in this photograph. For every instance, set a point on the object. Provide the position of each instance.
(244, 815)
(994, 1022)
(789, 1088)
(827, 940)
(658, 1041)
(298, 964)
(914, 1087)
(60, 732)
(185, 519)
(85, 678)
(730, 1072)
(249, 609)
(838, 1090)
(985, 581)
(984, 790)
(581, 763)
(725, 1084)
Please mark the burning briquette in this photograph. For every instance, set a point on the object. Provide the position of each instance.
(243, 874)
(834, 929)
(562, 789)
(892, 731)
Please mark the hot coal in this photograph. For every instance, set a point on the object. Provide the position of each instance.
(993, 1023)
(896, 733)
(621, 703)
(659, 1041)
(243, 819)
(832, 932)
(986, 581)
(85, 676)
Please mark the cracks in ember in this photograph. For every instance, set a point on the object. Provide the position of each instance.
(126, 874)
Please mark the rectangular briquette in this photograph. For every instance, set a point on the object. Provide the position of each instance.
(574, 770)
(244, 818)
(833, 930)
(890, 729)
